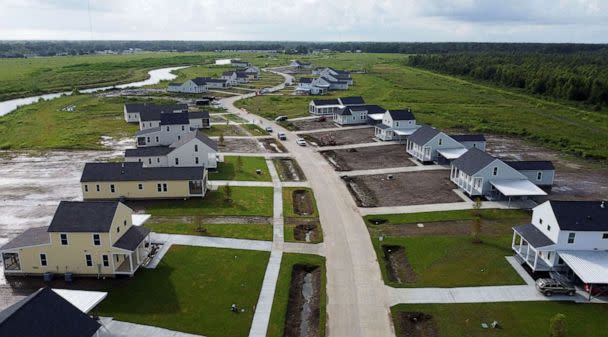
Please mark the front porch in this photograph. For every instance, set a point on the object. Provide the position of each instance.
(527, 243)
(134, 247)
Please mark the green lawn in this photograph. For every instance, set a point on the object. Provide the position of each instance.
(237, 231)
(255, 130)
(489, 214)
(228, 170)
(192, 290)
(44, 125)
(516, 319)
(288, 233)
(245, 201)
(235, 118)
(217, 130)
(281, 295)
(288, 209)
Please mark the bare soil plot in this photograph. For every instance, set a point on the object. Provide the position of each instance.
(304, 229)
(456, 227)
(303, 307)
(303, 203)
(217, 118)
(313, 124)
(289, 170)
(368, 158)
(575, 179)
(399, 269)
(186, 219)
(411, 188)
(416, 324)
(242, 145)
(272, 145)
(341, 137)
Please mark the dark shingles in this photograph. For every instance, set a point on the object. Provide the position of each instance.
(83, 216)
(352, 100)
(132, 238)
(174, 119)
(94, 172)
(31, 237)
(523, 165)
(321, 102)
(533, 235)
(45, 313)
(402, 115)
(198, 114)
(306, 80)
(472, 161)
(147, 131)
(581, 215)
(149, 151)
(198, 135)
(144, 108)
(469, 138)
(423, 135)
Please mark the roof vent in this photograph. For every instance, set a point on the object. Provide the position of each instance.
(603, 204)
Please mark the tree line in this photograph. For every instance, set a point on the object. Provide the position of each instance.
(580, 77)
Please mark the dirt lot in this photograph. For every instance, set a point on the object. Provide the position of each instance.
(411, 188)
(304, 229)
(442, 228)
(302, 202)
(289, 170)
(399, 269)
(368, 158)
(575, 179)
(241, 145)
(272, 145)
(215, 118)
(416, 324)
(313, 124)
(341, 137)
(303, 308)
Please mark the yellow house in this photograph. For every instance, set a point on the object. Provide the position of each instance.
(133, 181)
(84, 238)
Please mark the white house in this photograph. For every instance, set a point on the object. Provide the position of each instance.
(193, 149)
(300, 65)
(252, 69)
(330, 106)
(472, 140)
(479, 174)
(570, 237)
(194, 86)
(426, 143)
(171, 129)
(132, 111)
(333, 84)
(196, 119)
(396, 125)
(540, 172)
(357, 114)
(230, 77)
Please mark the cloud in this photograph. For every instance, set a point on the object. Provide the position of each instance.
(310, 20)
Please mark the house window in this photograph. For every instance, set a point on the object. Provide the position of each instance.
(89, 259)
(157, 160)
(539, 175)
(571, 237)
(97, 188)
(96, 240)
(540, 221)
(156, 139)
(183, 128)
(560, 261)
(140, 186)
(43, 262)
(604, 236)
(112, 188)
(124, 222)
(548, 228)
(179, 137)
(150, 161)
(106, 260)
(148, 139)
(495, 171)
(195, 148)
(117, 229)
(86, 188)
(64, 239)
(176, 161)
(549, 256)
(159, 187)
(164, 187)
(440, 141)
(167, 128)
(196, 160)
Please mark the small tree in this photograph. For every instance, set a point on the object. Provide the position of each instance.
(476, 224)
(557, 326)
(239, 164)
(228, 194)
(221, 140)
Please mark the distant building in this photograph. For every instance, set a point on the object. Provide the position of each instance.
(300, 65)
(133, 111)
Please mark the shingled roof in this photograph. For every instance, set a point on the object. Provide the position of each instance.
(94, 172)
(402, 115)
(423, 135)
(531, 165)
(174, 119)
(581, 215)
(31, 237)
(83, 216)
(472, 161)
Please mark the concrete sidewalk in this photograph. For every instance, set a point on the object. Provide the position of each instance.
(261, 317)
(453, 206)
(393, 170)
(241, 183)
(304, 248)
(258, 154)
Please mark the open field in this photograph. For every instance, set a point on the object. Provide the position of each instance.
(516, 319)
(442, 253)
(368, 158)
(243, 145)
(44, 125)
(284, 320)
(177, 294)
(229, 169)
(237, 231)
(411, 188)
(245, 201)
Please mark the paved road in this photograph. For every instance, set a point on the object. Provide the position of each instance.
(358, 303)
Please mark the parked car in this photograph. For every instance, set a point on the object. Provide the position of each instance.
(282, 136)
(280, 119)
(301, 142)
(269, 129)
(549, 286)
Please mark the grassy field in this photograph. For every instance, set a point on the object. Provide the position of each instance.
(226, 130)
(245, 201)
(44, 125)
(281, 295)
(516, 319)
(451, 260)
(34, 76)
(237, 231)
(452, 103)
(255, 130)
(192, 290)
(228, 169)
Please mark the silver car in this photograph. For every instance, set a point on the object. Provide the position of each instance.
(549, 286)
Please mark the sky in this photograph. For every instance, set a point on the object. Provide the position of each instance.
(580, 21)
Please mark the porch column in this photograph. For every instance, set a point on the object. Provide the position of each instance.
(528, 251)
(513, 241)
(130, 263)
(535, 260)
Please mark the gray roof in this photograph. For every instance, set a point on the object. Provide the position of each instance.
(228, 73)
(581, 215)
(174, 119)
(352, 100)
(305, 80)
(346, 111)
(469, 138)
(198, 135)
(208, 80)
(423, 135)
(147, 131)
(132, 238)
(45, 313)
(84, 216)
(154, 108)
(402, 115)
(31, 237)
(94, 172)
(198, 114)
(531, 165)
(472, 161)
(199, 81)
(533, 235)
(374, 109)
(149, 151)
(321, 102)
